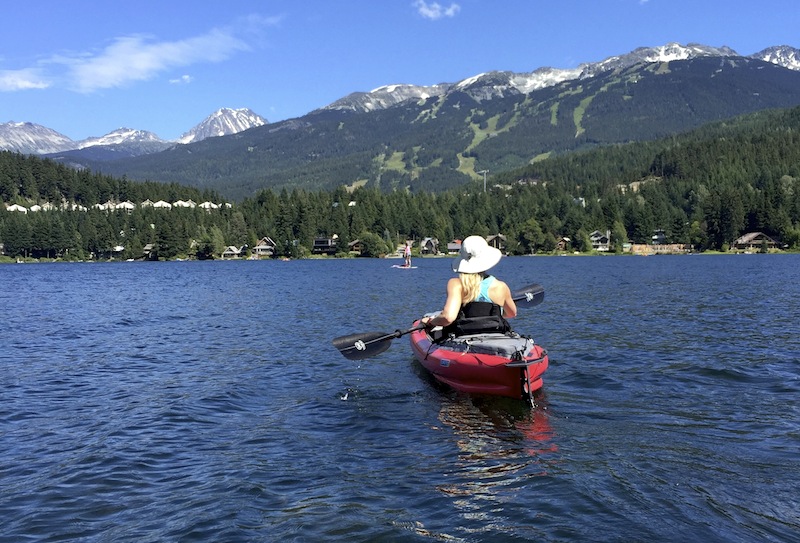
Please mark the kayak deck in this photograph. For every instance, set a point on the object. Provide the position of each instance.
(490, 363)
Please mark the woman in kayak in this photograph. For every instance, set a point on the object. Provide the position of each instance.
(474, 293)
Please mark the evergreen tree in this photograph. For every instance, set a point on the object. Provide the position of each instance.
(17, 235)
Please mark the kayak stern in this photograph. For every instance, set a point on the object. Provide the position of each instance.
(492, 364)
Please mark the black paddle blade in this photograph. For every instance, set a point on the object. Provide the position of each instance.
(529, 296)
(361, 346)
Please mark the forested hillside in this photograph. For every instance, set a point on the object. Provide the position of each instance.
(704, 188)
(443, 142)
(71, 227)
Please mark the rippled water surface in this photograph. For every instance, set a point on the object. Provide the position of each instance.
(192, 401)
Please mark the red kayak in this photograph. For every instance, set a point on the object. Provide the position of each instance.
(494, 363)
(489, 363)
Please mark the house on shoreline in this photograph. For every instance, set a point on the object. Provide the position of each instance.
(755, 241)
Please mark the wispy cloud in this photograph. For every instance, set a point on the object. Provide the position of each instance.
(25, 79)
(434, 10)
(138, 58)
(129, 59)
(182, 80)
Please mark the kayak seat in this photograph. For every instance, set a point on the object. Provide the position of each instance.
(508, 345)
(477, 318)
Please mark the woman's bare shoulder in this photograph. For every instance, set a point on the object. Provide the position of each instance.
(500, 283)
(453, 282)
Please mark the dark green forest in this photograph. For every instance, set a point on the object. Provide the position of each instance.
(703, 188)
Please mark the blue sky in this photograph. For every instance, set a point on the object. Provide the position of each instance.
(85, 68)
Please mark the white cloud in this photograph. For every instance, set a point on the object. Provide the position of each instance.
(136, 58)
(133, 58)
(434, 10)
(25, 79)
(184, 79)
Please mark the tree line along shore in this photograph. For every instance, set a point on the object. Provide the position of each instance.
(704, 190)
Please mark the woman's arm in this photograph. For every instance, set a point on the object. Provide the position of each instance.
(508, 305)
(451, 306)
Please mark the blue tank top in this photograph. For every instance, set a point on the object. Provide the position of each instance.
(481, 315)
(483, 293)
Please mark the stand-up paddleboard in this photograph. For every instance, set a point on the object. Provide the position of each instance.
(404, 267)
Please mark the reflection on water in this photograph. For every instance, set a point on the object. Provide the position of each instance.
(505, 447)
(501, 442)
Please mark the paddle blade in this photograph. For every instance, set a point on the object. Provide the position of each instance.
(529, 296)
(361, 346)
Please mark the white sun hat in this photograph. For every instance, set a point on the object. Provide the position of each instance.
(476, 256)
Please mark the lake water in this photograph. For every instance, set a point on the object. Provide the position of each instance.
(204, 401)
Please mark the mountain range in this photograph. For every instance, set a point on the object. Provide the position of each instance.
(496, 84)
(439, 136)
(30, 138)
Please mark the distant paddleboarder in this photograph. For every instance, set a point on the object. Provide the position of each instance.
(407, 255)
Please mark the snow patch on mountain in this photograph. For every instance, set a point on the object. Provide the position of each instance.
(121, 136)
(32, 138)
(664, 53)
(782, 55)
(490, 85)
(387, 96)
(223, 122)
(543, 78)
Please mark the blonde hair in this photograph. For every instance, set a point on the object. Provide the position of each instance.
(470, 286)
